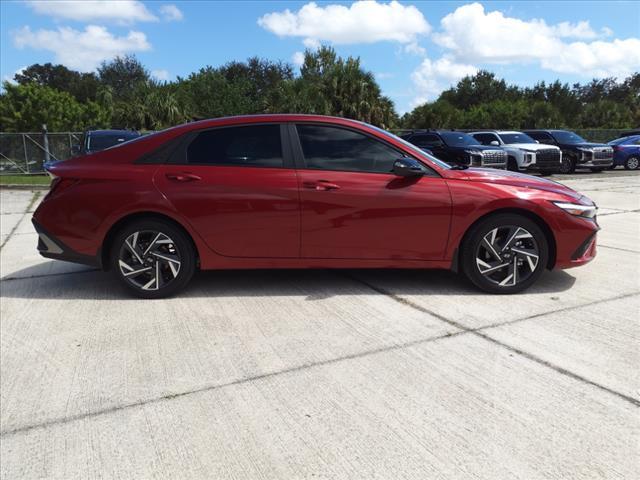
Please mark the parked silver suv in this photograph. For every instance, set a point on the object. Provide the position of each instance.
(524, 153)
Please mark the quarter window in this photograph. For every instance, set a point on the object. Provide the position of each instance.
(333, 148)
(244, 146)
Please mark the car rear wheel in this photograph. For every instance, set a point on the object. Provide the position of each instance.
(504, 253)
(632, 163)
(152, 258)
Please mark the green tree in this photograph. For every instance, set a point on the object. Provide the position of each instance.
(83, 86)
(330, 85)
(27, 107)
(124, 75)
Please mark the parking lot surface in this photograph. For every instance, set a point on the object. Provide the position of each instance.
(323, 374)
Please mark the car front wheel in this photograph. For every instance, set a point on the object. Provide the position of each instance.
(152, 258)
(568, 165)
(504, 253)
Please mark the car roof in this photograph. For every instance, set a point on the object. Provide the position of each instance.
(496, 131)
(99, 133)
(544, 130)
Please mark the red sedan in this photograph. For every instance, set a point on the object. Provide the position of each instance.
(302, 191)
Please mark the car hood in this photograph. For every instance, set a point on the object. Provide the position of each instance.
(590, 145)
(504, 177)
(532, 146)
(481, 148)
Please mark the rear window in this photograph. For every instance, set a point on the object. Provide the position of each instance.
(243, 146)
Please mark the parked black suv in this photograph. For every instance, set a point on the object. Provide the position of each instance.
(457, 148)
(96, 140)
(576, 151)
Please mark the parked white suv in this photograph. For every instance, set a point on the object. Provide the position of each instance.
(524, 153)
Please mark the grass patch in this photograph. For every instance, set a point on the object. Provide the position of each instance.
(25, 179)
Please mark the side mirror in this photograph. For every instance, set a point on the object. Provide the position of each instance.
(495, 143)
(408, 167)
(75, 149)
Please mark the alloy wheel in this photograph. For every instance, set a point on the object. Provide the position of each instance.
(507, 255)
(565, 165)
(632, 163)
(149, 260)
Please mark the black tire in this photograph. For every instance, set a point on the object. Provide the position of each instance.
(171, 260)
(632, 163)
(473, 246)
(568, 164)
(512, 165)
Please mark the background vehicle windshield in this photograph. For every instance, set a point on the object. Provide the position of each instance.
(562, 136)
(458, 139)
(101, 142)
(411, 147)
(516, 138)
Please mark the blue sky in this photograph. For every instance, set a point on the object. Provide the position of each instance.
(416, 49)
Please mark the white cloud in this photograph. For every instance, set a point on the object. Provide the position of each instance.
(471, 34)
(431, 78)
(81, 50)
(384, 75)
(415, 49)
(298, 59)
(581, 30)
(362, 22)
(161, 74)
(119, 11)
(171, 13)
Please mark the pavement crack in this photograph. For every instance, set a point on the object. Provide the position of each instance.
(479, 333)
(45, 275)
(218, 386)
(617, 248)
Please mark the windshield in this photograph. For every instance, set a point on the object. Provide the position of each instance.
(101, 142)
(458, 139)
(625, 140)
(563, 136)
(516, 138)
(411, 146)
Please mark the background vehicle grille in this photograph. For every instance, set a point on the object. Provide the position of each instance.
(603, 154)
(494, 158)
(548, 158)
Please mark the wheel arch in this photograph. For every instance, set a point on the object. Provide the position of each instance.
(551, 241)
(107, 243)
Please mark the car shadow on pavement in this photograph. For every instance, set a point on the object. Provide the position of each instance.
(88, 284)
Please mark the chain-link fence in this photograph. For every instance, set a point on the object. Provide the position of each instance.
(26, 153)
(600, 135)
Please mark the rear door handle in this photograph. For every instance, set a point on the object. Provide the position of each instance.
(321, 185)
(183, 177)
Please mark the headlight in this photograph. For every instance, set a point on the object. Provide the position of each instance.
(587, 153)
(578, 210)
(529, 157)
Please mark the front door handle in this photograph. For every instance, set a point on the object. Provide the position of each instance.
(321, 185)
(183, 177)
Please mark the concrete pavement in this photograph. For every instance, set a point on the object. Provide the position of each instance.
(323, 374)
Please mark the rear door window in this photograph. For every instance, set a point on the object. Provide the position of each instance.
(242, 146)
